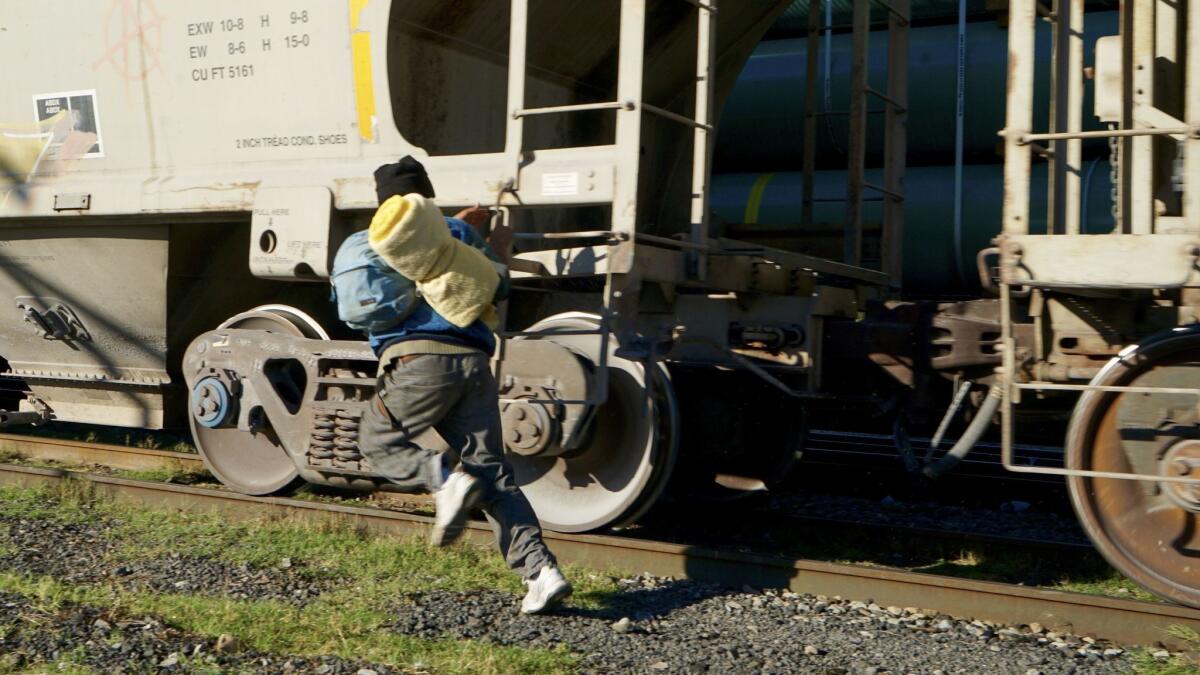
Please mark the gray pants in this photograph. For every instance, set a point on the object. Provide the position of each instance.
(455, 395)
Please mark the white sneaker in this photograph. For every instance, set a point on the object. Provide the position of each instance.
(454, 502)
(546, 591)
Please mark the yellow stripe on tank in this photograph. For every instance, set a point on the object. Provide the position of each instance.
(754, 203)
(364, 82)
(356, 8)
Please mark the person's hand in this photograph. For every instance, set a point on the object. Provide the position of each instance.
(500, 236)
(477, 217)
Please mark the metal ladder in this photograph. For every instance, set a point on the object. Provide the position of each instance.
(629, 108)
(895, 110)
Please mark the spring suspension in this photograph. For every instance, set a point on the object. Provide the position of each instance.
(345, 442)
(335, 436)
(321, 444)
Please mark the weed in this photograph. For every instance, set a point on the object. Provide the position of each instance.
(1186, 634)
(1144, 663)
(175, 475)
(345, 624)
(67, 501)
(352, 621)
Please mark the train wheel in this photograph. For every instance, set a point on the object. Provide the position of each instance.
(625, 460)
(1146, 530)
(742, 437)
(253, 463)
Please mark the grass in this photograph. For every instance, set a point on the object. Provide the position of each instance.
(66, 501)
(1074, 572)
(70, 663)
(331, 549)
(367, 575)
(333, 625)
(370, 575)
(166, 475)
(135, 438)
(65, 665)
(171, 472)
(1114, 584)
(1181, 664)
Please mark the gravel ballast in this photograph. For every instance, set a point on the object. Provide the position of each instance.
(657, 625)
(79, 634)
(1003, 517)
(84, 552)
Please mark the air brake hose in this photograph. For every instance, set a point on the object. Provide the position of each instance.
(975, 431)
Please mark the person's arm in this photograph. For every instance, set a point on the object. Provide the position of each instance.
(499, 238)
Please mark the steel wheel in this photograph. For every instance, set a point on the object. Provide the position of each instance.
(1146, 530)
(250, 463)
(626, 459)
(279, 319)
(742, 437)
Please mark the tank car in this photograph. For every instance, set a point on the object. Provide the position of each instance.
(181, 176)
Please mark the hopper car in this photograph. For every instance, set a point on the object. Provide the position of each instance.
(178, 177)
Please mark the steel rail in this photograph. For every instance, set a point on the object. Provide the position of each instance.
(883, 529)
(1123, 621)
(81, 453)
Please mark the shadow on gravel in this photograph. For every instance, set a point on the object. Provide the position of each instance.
(644, 602)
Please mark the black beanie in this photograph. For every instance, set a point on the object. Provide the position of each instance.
(402, 178)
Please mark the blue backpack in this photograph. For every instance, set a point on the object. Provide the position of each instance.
(370, 295)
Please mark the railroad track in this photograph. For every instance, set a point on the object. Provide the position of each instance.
(928, 533)
(81, 453)
(878, 451)
(1119, 620)
(140, 459)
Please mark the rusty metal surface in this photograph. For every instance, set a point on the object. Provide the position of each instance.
(1125, 621)
(112, 456)
(1145, 529)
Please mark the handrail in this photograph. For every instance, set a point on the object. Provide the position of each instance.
(1028, 139)
(676, 117)
(580, 107)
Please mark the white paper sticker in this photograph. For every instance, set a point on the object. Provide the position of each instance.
(79, 134)
(560, 184)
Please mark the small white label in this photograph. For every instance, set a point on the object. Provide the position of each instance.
(560, 184)
(76, 134)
